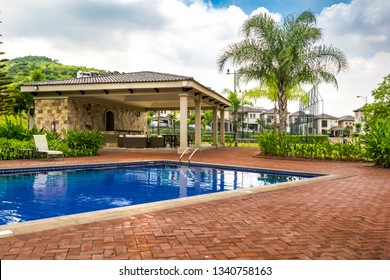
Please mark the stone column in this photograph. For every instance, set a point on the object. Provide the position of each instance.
(183, 122)
(222, 129)
(215, 126)
(198, 124)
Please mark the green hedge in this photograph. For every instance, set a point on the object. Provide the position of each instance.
(207, 137)
(273, 143)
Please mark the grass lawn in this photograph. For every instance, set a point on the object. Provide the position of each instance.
(248, 144)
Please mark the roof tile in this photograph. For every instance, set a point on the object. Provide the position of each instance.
(134, 77)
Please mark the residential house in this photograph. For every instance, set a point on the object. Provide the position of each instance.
(267, 118)
(359, 117)
(347, 123)
(293, 121)
(327, 124)
(252, 117)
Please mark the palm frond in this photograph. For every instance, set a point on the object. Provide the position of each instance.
(283, 56)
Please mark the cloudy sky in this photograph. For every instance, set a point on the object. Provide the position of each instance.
(186, 36)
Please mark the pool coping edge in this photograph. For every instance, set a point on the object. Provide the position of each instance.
(128, 211)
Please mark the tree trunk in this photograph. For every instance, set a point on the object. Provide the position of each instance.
(282, 101)
(275, 115)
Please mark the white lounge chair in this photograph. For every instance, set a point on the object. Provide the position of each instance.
(41, 147)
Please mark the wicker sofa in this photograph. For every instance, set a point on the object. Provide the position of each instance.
(132, 141)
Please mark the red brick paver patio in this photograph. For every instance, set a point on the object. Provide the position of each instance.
(345, 218)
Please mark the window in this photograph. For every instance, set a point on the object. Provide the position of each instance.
(324, 123)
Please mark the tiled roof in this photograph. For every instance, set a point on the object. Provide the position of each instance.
(135, 77)
(326, 116)
(251, 109)
(295, 114)
(346, 118)
(270, 111)
(359, 109)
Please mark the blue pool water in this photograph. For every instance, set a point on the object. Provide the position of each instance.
(56, 192)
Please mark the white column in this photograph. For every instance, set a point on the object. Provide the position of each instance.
(183, 122)
(198, 123)
(222, 129)
(215, 126)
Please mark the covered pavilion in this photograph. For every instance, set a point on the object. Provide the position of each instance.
(119, 102)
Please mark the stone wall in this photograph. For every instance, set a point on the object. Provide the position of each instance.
(78, 114)
(49, 110)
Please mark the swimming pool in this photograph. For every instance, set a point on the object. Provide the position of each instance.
(39, 193)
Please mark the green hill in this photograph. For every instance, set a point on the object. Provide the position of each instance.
(21, 67)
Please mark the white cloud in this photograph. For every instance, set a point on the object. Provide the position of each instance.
(186, 37)
(362, 78)
(125, 35)
(276, 16)
(361, 30)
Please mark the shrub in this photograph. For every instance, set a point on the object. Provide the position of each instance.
(10, 148)
(10, 130)
(75, 144)
(229, 140)
(82, 143)
(377, 143)
(207, 137)
(268, 141)
(310, 138)
(273, 143)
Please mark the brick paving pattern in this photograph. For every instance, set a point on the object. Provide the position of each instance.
(346, 218)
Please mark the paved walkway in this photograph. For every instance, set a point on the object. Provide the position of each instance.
(345, 218)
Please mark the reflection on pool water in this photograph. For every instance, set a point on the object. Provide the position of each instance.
(44, 194)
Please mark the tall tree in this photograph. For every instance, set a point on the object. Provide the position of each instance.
(172, 119)
(285, 55)
(233, 98)
(271, 93)
(6, 100)
(377, 132)
(380, 108)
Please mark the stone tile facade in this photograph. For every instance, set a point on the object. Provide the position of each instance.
(69, 113)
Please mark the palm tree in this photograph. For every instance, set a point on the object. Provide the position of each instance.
(172, 120)
(149, 118)
(233, 98)
(271, 93)
(207, 119)
(285, 55)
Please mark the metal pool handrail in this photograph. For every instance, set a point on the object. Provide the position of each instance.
(183, 153)
(200, 154)
(189, 158)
